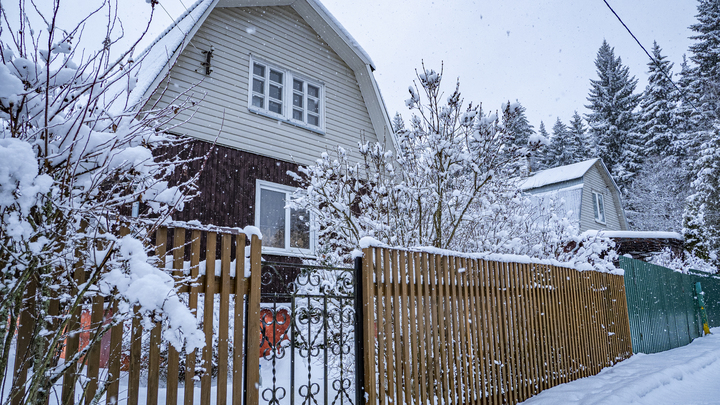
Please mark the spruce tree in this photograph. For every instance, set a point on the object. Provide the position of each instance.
(537, 161)
(579, 147)
(657, 106)
(611, 118)
(558, 153)
(705, 53)
(518, 126)
(701, 222)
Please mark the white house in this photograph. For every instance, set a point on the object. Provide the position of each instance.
(280, 82)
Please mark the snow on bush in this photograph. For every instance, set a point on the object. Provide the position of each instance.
(451, 183)
(71, 164)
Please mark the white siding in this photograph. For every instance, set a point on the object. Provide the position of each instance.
(277, 35)
(595, 181)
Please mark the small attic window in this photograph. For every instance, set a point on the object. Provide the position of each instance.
(599, 207)
(284, 95)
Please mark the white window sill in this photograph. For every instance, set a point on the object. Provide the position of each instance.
(281, 118)
(602, 223)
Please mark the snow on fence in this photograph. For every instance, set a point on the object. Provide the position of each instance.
(444, 329)
(133, 353)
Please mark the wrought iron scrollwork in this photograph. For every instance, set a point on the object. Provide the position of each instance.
(307, 343)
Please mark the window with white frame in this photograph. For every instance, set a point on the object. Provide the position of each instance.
(284, 230)
(599, 207)
(286, 95)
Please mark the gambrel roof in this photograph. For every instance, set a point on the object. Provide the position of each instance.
(157, 60)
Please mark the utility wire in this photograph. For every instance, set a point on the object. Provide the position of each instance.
(682, 93)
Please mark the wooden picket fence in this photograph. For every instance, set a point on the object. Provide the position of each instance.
(243, 292)
(453, 330)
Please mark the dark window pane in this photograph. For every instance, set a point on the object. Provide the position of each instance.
(275, 92)
(313, 120)
(272, 218)
(258, 101)
(298, 85)
(297, 114)
(276, 107)
(313, 105)
(297, 100)
(276, 76)
(259, 70)
(313, 91)
(258, 86)
(299, 229)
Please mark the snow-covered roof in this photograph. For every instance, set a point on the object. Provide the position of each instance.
(342, 32)
(636, 234)
(156, 57)
(558, 174)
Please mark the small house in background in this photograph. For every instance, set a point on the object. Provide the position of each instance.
(591, 197)
(279, 83)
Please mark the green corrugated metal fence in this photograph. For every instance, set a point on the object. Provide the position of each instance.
(662, 305)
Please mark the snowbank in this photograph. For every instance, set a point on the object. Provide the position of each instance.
(686, 375)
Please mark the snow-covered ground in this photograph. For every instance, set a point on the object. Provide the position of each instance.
(686, 375)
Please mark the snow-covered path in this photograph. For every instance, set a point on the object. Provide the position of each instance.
(686, 375)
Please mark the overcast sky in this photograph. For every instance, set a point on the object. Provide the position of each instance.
(540, 53)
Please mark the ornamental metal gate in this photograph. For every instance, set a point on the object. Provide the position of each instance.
(307, 335)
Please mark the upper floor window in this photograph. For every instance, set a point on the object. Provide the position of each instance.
(599, 207)
(284, 230)
(285, 95)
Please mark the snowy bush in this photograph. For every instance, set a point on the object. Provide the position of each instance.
(450, 184)
(73, 158)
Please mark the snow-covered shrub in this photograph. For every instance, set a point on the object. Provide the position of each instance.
(451, 183)
(73, 158)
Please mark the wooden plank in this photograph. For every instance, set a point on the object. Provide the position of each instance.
(478, 331)
(380, 258)
(575, 323)
(190, 358)
(461, 340)
(408, 326)
(473, 353)
(371, 390)
(253, 320)
(93, 357)
(546, 359)
(429, 271)
(510, 328)
(173, 361)
(154, 364)
(555, 365)
(571, 337)
(521, 330)
(533, 338)
(489, 309)
(443, 319)
(417, 318)
(576, 276)
(390, 350)
(116, 332)
(427, 321)
(625, 318)
(71, 347)
(156, 333)
(239, 320)
(23, 357)
(208, 309)
(398, 320)
(454, 374)
(135, 358)
(224, 321)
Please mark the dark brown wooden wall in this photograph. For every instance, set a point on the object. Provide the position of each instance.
(227, 184)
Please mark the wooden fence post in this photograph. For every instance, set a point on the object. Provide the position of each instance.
(252, 362)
